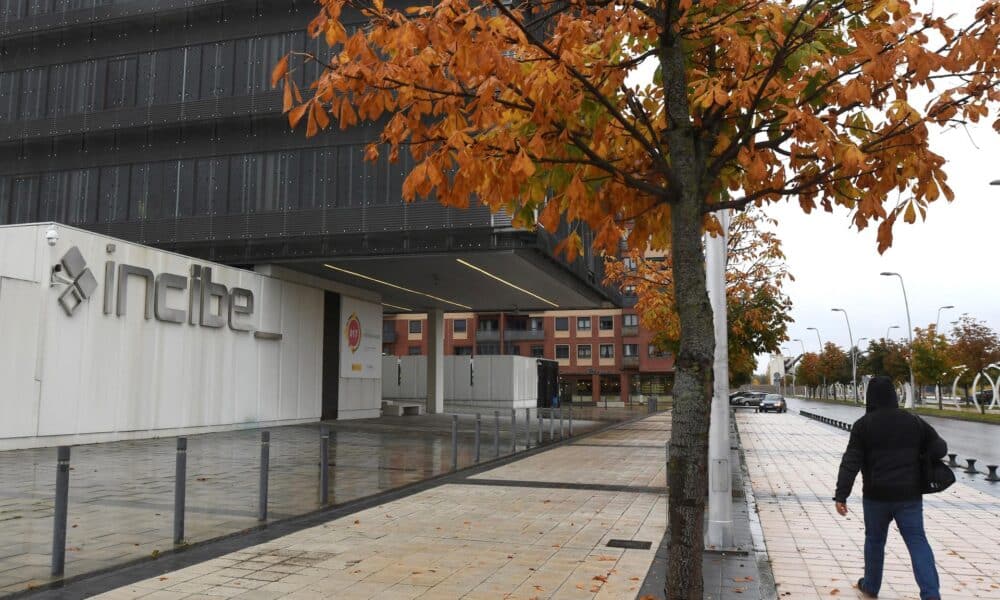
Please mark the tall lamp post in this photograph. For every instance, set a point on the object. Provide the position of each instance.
(909, 327)
(820, 353)
(854, 358)
(888, 329)
(937, 323)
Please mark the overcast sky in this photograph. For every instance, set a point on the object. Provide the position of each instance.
(952, 258)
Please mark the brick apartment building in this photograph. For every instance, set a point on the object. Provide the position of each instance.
(600, 352)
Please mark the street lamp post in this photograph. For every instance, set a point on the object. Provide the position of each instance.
(820, 354)
(854, 358)
(888, 329)
(909, 327)
(937, 323)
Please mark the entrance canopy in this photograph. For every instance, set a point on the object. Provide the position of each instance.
(462, 281)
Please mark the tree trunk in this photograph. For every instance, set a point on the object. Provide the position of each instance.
(688, 468)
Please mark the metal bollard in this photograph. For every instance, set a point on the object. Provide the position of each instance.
(496, 434)
(527, 428)
(454, 442)
(570, 410)
(265, 464)
(180, 488)
(952, 462)
(992, 477)
(479, 424)
(561, 433)
(513, 430)
(971, 469)
(539, 413)
(324, 465)
(552, 425)
(62, 507)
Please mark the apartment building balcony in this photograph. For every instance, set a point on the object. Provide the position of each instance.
(630, 362)
(487, 335)
(520, 335)
(630, 330)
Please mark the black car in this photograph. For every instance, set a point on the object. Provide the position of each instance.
(772, 402)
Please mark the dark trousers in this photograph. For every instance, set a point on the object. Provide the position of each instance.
(909, 517)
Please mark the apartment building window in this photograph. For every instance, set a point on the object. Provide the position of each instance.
(538, 351)
(655, 352)
(607, 323)
(414, 351)
(463, 350)
(562, 323)
(488, 348)
(583, 323)
(459, 325)
(630, 350)
(562, 351)
(629, 263)
(630, 320)
(511, 349)
(416, 326)
(535, 324)
(629, 290)
(583, 351)
(607, 351)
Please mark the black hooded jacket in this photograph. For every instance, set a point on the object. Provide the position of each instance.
(886, 445)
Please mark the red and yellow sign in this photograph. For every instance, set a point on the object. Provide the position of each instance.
(352, 331)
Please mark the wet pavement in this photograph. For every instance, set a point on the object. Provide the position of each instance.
(121, 493)
(967, 439)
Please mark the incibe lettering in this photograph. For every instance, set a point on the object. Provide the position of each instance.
(210, 304)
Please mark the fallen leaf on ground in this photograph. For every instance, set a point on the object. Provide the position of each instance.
(739, 579)
(602, 578)
(739, 590)
(834, 592)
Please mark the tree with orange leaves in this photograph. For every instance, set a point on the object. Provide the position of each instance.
(529, 106)
(758, 309)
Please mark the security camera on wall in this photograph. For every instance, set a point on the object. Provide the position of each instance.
(52, 236)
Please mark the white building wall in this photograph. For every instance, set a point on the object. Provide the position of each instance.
(497, 382)
(92, 376)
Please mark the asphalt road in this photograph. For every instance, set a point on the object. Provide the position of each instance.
(965, 438)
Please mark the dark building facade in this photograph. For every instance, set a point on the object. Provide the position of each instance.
(154, 121)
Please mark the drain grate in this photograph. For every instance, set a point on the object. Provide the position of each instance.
(630, 544)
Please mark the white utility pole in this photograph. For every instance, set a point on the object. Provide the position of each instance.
(719, 531)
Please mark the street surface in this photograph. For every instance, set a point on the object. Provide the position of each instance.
(965, 438)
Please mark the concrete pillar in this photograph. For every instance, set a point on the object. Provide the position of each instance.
(435, 362)
(625, 383)
(595, 382)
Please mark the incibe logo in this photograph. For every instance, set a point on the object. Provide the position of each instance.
(209, 304)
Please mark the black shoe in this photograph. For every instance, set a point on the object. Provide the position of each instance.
(864, 591)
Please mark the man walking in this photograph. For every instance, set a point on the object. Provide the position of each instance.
(886, 447)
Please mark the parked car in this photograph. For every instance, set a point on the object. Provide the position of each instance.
(773, 402)
(748, 399)
(736, 398)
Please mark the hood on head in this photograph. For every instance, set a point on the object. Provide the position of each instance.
(881, 394)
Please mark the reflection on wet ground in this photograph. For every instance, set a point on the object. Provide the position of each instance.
(121, 493)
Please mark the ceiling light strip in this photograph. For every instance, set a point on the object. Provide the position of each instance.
(393, 285)
(507, 283)
(397, 307)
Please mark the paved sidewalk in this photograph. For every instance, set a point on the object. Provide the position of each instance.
(533, 528)
(121, 493)
(815, 553)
